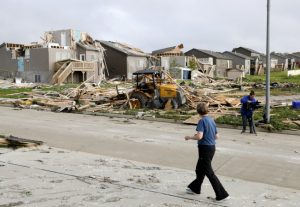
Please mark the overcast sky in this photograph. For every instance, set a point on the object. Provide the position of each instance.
(217, 25)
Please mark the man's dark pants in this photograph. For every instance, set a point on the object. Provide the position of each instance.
(245, 119)
(204, 168)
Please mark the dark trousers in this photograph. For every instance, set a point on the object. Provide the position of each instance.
(203, 168)
(249, 119)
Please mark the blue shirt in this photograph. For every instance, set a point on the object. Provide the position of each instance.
(246, 110)
(208, 127)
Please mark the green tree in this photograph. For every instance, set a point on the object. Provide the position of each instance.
(192, 64)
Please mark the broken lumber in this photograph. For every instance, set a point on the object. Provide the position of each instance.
(16, 142)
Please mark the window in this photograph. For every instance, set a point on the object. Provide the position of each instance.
(37, 78)
(82, 57)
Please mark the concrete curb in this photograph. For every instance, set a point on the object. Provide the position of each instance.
(226, 126)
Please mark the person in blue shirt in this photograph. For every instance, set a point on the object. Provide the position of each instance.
(249, 104)
(206, 135)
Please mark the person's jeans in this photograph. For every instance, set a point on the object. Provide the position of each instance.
(204, 168)
(245, 119)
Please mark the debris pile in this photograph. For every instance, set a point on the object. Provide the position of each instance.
(105, 98)
(16, 142)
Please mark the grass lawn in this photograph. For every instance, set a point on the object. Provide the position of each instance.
(18, 92)
(278, 116)
(14, 92)
(278, 91)
(280, 77)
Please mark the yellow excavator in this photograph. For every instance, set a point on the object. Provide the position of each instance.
(153, 89)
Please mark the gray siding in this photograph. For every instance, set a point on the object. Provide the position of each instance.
(92, 55)
(239, 61)
(199, 54)
(39, 59)
(221, 66)
(80, 51)
(6, 62)
(135, 64)
(37, 64)
(236, 60)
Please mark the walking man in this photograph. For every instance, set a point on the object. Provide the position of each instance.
(206, 134)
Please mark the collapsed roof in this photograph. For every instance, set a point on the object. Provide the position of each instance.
(124, 48)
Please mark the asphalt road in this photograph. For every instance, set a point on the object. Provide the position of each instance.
(267, 158)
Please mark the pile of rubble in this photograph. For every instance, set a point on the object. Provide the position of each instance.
(16, 142)
(93, 98)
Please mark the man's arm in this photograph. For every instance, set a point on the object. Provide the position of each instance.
(197, 136)
(244, 100)
(217, 136)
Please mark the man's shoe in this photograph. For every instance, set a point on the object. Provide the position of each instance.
(243, 131)
(189, 191)
(219, 200)
(222, 199)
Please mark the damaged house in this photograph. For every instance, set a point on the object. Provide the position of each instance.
(122, 60)
(169, 51)
(286, 62)
(296, 59)
(171, 57)
(63, 56)
(255, 58)
(220, 61)
(240, 61)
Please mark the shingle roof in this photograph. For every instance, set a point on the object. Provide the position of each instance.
(278, 55)
(247, 49)
(214, 54)
(87, 47)
(163, 50)
(238, 55)
(293, 56)
(126, 49)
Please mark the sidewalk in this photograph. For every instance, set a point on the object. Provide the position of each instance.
(49, 177)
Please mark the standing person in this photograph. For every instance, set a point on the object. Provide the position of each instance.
(206, 135)
(248, 106)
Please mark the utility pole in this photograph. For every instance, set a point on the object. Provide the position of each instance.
(267, 109)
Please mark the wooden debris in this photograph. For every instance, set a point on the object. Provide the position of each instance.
(3, 142)
(168, 105)
(16, 142)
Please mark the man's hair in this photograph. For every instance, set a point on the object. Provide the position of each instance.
(252, 93)
(202, 108)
